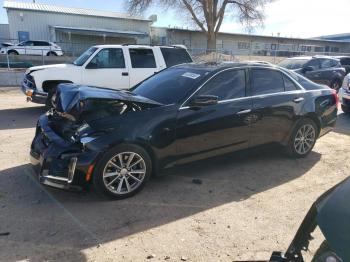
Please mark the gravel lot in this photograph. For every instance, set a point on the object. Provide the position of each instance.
(249, 204)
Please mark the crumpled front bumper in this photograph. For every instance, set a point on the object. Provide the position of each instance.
(58, 162)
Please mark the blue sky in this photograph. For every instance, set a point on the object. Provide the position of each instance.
(296, 18)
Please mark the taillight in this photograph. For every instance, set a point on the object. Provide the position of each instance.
(336, 98)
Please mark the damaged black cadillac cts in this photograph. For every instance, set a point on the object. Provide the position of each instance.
(116, 139)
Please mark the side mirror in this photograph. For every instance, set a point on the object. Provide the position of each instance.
(308, 69)
(92, 65)
(204, 100)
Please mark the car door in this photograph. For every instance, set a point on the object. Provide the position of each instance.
(107, 69)
(327, 71)
(25, 48)
(215, 129)
(314, 74)
(40, 48)
(276, 102)
(142, 64)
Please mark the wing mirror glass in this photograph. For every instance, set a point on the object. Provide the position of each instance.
(204, 100)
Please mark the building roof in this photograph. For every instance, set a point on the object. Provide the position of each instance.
(84, 30)
(341, 37)
(68, 10)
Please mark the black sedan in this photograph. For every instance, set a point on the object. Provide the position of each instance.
(116, 139)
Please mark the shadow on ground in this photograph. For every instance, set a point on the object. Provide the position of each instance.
(17, 118)
(75, 221)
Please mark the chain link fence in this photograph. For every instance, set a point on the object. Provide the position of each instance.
(21, 57)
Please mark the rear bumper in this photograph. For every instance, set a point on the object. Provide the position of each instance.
(57, 162)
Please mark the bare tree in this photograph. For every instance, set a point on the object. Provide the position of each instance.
(208, 15)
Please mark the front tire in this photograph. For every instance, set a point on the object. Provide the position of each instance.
(51, 53)
(122, 172)
(303, 138)
(325, 254)
(345, 109)
(12, 52)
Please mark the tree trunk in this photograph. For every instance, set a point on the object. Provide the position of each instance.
(211, 41)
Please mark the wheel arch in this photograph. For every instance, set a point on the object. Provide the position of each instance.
(49, 84)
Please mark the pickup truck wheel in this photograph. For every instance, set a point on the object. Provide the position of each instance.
(122, 172)
(325, 254)
(345, 109)
(303, 138)
(13, 52)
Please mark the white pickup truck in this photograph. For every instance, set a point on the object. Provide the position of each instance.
(111, 66)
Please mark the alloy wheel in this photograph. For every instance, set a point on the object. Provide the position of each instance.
(304, 139)
(124, 173)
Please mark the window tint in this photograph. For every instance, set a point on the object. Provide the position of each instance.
(41, 43)
(172, 85)
(175, 56)
(315, 63)
(109, 58)
(142, 58)
(226, 85)
(288, 84)
(27, 43)
(266, 81)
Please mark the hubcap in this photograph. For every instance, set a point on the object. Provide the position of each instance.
(304, 139)
(124, 172)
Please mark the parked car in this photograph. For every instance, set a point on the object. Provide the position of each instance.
(345, 62)
(319, 69)
(112, 66)
(33, 48)
(344, 95)
(330, 212)
(116, 139)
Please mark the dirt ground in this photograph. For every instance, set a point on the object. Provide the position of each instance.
(249, 204)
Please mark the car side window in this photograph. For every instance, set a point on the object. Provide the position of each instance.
(41, 43)
(27, 43)
(108, 58)
(266, 81)
(315, 63)
(288, 84)
(142, 58)
(326, 63)
(226, 85)
(175, 56)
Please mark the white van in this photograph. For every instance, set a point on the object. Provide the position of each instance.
(111, 66)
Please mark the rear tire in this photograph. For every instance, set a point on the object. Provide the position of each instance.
(303, 138)
(51, 53)
(12, 52)
(345, 109)
(122, 172)
(324, 254)
(336, 84)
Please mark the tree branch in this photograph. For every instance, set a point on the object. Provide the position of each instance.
(194, 16)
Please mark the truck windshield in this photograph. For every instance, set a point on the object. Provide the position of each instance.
(84, 56)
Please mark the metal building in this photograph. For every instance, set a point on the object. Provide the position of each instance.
(74, 28)
(4, 32)
(245, 44)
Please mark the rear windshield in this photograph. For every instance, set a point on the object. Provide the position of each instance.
(175, 56)
(293, 63)
(171, 86)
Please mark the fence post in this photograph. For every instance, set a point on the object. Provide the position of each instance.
(42, 56)
(8, 60)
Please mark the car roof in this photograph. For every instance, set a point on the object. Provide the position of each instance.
(312, 57)
(139, 46)
(214, 67)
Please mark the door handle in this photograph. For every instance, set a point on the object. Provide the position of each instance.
(244, 111)
(298, 99)
(125, 73)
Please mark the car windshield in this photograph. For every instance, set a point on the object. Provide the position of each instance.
(293, 63)
(84, 56)
(170, 86)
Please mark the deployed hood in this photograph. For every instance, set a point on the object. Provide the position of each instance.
(333, 218)
(75, 99)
